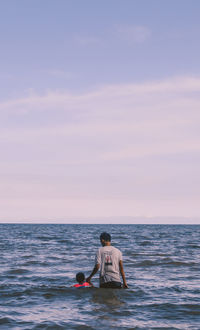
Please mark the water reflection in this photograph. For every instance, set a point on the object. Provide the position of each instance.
(109, 297)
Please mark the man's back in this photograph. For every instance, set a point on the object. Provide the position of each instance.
(109, 260)
(108, 257)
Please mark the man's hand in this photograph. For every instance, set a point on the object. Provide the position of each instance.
(88, 279)
(125, 286)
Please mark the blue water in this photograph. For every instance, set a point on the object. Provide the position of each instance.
(39, 263)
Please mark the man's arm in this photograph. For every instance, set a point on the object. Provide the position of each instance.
(121, 268)
(95, 270)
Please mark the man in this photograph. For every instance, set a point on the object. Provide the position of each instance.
(109, 260)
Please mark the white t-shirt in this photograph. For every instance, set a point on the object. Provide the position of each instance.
(108, 257)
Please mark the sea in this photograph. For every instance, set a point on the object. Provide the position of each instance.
(39, 262)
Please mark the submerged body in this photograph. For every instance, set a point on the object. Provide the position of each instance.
(82, 285)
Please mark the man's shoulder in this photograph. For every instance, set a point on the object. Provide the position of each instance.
(116, 249)
(101, 249)
(110, 247)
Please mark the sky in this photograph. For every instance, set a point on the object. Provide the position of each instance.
(99, 110)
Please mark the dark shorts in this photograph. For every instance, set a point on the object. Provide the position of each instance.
(111, 285)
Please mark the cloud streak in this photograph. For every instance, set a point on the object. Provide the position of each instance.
(133, 148)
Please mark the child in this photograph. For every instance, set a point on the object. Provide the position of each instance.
(80, 277)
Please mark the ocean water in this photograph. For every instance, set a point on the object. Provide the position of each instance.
(39, 263)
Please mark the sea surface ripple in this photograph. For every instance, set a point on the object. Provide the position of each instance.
(39, 263)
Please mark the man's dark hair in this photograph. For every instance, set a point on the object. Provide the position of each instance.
(80, 277)
(105, 236)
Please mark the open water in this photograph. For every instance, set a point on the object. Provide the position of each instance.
(38, 264)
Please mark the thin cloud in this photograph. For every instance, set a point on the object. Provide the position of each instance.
(133, 34)
(121, 145)
(149, 101)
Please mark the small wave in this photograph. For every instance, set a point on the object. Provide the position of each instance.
(165, 261)
(139, 254)
(6, 321)
(193, 246)
(18, 271)
(29, 256)
(50, 292)
(65, 241)
(193, 309)
(47, 238)
(45, 291)
(35, 263)
(55, 258)
(145, 243)
(51, 326)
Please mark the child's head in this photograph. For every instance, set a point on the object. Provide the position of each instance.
(80, 277)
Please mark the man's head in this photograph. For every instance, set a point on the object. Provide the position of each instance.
(80, 277)
(105, 238)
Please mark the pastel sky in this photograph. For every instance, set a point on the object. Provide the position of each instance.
(99, 109)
